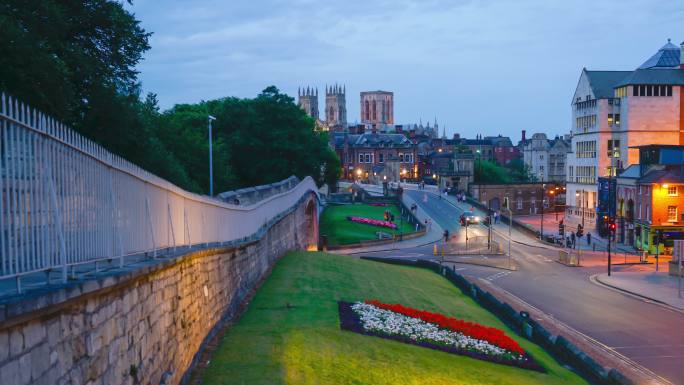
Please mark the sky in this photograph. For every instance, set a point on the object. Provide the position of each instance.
(478, 67)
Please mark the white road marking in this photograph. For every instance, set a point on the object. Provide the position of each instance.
(460, 268)
(497, 275)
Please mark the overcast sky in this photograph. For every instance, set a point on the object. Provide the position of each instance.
(490, 67)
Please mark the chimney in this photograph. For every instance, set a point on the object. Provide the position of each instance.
(523, 136)
(681, 55)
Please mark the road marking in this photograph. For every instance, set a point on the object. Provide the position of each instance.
(497, 275)
(460, 268)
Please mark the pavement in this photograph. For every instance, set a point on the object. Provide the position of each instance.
(644, 333)
(659, 287)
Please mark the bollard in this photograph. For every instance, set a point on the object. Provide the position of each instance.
(434, 250)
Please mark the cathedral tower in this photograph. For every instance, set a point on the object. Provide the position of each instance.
(308, 101)
(335, 106)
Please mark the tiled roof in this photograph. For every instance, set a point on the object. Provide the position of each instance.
(603, 82)
(666, 57)
(673, 77)
(372, 140)
(668, 175)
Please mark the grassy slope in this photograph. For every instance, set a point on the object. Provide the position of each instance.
(272, 344)
(341, 231)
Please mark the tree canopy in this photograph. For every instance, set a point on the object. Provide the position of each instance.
(76, 61)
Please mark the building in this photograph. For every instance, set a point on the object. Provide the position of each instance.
(544, 158)
(377, 109)
(336, 108)
(504, 150)
(658, 197)
(483, 149)
(615, 111)
(523, 198)
(308, 101)
(363, 154)
(626, 185)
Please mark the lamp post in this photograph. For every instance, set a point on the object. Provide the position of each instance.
(582, 204)
(211, 159)
(543, 192)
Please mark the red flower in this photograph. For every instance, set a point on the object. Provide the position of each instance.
(492, 335)
(373, 222)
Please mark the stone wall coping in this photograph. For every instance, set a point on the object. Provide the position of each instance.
(50, 298)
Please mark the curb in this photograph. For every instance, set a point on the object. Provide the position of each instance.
(597, 281)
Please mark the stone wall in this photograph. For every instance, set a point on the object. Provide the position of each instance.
(145, 326)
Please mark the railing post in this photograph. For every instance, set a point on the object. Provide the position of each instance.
(173, 235)
(149, 221)
(187, 225)
(58, 221)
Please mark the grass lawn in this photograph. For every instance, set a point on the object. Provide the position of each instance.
(303, 344)
(341, 231)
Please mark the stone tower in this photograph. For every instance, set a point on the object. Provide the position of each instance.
(377, 108)
(335, 106)
(308, 100)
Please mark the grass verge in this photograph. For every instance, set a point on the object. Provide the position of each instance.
(291, 334)
(341, 231)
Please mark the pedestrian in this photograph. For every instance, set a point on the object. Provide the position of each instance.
(588, 238)
(429, 224)
(572, 237)
(496, 217)
(446, 235)
(426, 225)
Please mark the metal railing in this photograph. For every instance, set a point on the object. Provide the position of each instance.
(66, 201)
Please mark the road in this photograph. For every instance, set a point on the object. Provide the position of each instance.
(647, 333)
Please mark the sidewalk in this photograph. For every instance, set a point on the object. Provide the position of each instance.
(658, 287)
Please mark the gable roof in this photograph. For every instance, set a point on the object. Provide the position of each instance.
(668, 175)
(603, 82)
(666, 57)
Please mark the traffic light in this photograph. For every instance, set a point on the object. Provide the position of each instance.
(611, 225)
(561, 229)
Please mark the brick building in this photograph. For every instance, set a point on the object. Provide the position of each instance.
(524, 198)
(365, 153)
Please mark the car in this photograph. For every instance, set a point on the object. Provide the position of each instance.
(470, 218)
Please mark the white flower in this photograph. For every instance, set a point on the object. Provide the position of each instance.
(390, 323)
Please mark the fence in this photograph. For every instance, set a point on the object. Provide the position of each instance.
(66, 201)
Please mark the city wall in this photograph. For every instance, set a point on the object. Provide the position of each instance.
(146, 325)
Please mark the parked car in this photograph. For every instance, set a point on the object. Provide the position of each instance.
(470, 218)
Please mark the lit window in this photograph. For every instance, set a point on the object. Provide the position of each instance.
(672, 213)
(610, 119)
(672, 191)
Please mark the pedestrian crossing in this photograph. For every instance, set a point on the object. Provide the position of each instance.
(498, 275)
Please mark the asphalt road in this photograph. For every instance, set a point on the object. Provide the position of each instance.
(645, 332)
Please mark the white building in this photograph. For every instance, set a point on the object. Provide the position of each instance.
(545, 159)
(615, 110)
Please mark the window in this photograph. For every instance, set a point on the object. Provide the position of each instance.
(672, 213)
(585, 149)
(519, 204)
(610, 119)
(401, 158)
(672, 191)
(613, 148)
(368, 158)
(617, 119)
(360, 158)
(381, 157)
(652, 90)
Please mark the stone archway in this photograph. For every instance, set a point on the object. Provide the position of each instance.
(311, 226)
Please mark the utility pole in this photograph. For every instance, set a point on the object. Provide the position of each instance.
(510, 225)
(543, 192)
(211, 160)
(610, 219)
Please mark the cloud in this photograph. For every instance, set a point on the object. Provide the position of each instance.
(482, 66)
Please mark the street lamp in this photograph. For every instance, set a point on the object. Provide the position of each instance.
(582, 204)
(211, 159)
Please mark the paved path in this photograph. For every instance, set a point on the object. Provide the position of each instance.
(660, 287)
(646, 333)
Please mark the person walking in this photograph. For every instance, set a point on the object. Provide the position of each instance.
(446, 236)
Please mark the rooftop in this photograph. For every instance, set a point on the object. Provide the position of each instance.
(666, 57)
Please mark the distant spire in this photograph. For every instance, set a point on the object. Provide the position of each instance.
(299, 91)
(443, 131)
(344, 89)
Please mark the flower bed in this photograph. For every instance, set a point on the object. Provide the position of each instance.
(373, 222)
(435, 331)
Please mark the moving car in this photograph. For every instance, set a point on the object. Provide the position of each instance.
(470, 218)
